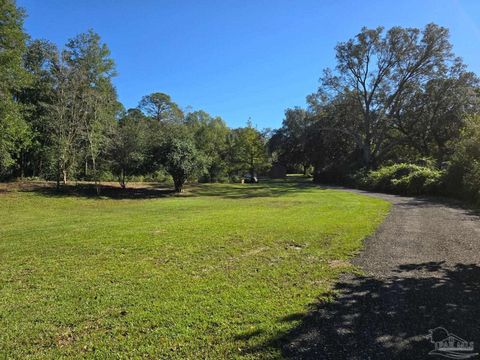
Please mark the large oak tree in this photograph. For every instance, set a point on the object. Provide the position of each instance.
(376, 72)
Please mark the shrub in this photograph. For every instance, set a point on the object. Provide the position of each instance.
(405, 179)
(419, 182)
(105, 175)
(136, 178)
(235, 179)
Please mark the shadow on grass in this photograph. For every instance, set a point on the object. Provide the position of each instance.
(106, 191)
(387, 318)
(244, 191)
(267, 188)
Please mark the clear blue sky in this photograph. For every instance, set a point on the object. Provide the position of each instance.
(242, 58)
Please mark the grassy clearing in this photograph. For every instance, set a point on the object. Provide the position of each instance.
(222, 272)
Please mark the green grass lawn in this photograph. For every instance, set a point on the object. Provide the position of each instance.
(223, 271)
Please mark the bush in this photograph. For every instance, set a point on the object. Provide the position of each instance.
(235, 179)
(136, 178)
(419, 182)
(161, 176)
(105, 175)
(404, 179)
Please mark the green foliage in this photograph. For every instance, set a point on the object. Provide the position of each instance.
(128, 147)
(12, 47)
(210, 136)
(290, 144)
(247, 151)
(179, 277)
(394, 95)
(89, 63)
(14, 131)
(463, 173)
(405, 179)
(83, 107)
(160, 107)
(35, 99)
(235, 179)
(182, 160)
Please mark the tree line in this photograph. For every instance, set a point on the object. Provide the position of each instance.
(396, 96)
(60, 119)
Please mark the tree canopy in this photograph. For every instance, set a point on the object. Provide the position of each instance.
(397, 95)
(14, 131)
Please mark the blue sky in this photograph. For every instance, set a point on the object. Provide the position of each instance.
(243, 58)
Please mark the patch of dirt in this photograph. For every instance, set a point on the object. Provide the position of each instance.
(295, 246)
(65, 338)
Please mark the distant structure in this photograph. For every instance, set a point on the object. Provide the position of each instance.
(278, 171)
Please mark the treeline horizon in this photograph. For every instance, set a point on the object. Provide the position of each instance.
(395, 96)
(399, 112)
(61, 119)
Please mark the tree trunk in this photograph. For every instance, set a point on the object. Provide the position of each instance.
(366, 156)
(94, 168)
(58, 176)
(40, 167)
(64, 177)
(252, 165)
(178, 186)
(122, 179)
(22, 164)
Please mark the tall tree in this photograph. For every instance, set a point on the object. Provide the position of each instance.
(90, 60)
(210, 136)
(160, 106)
(433, 115)
(247, 150)
(375, 72)
(14, 132)
(128, 148)
(291, 140)
(38, 61)
(66, 121)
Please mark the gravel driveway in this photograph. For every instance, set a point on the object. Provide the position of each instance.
(421, 270)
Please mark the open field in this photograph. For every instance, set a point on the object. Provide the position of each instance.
(222, 271)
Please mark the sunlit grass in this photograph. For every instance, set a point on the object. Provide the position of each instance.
(220, 272)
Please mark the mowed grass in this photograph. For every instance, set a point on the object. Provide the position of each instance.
(224, 271)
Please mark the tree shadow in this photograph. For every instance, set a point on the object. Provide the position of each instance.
(268, 188)
(438, 201)
(387, 318)
(106, 191)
